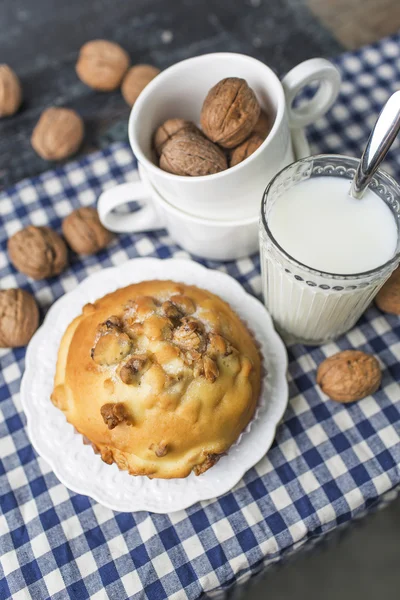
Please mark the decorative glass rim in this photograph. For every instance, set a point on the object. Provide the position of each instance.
(348, 276)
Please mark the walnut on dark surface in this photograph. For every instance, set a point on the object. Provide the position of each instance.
(136, 79)
(58, 134)
(38, 252)
(102, 64)
(10, 91)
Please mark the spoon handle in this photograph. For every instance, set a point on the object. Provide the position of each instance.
(382, 137)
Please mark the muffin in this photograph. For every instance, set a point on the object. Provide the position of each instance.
(161, 378)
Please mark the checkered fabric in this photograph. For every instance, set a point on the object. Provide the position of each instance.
(329, 464)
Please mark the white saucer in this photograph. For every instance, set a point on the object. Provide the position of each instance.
(77, 466)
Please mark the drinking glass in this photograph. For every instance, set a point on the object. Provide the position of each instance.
(307, 305)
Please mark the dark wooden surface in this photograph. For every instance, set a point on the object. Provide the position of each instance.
(40, 40)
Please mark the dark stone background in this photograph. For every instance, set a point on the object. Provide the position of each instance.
(40, 40)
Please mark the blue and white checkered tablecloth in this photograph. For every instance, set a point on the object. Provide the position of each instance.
(329, 464)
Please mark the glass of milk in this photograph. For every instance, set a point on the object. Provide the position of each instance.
(324, 254)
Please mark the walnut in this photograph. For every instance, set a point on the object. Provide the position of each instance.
(58, 133)
(160, 449)
(348, 376)
(156, 327)
(388, 297)
(217, 344)
(245, 149)
(84, 232)
(210, 461)
(230, 112)
(10, 92)
(19, 318)
(170, 310)
(211, 370)
(38, 252)
(192, 155)
(111, 324)
(111, 347)
(171, 128)
(189, 335)
(142, 307)
(263, 125)
(136, 80)
(102, 65)
(106, 455)
(114, 414)
(131, 372)
(185, 304)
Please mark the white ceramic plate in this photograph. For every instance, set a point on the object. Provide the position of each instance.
(83, 471)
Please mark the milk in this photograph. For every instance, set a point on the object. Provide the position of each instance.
(318, 224)
(322, 226)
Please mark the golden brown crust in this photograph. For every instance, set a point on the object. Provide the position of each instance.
(177, 386)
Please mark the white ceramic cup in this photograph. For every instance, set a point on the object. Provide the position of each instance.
(213, 240)
(180, 90)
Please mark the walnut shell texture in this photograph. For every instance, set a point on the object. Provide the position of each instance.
(136, 80)
(192, 155)
(230, 112)
(263, 125)
(245, 149)
(349, 375)
(19, 318)
(102, 65)
(10, 92)
(38, 252)
(388, 297)
(58, 133)
(84, 232)
(171, 128)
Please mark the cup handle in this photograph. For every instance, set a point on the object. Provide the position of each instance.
(314, 70)
(144, 219)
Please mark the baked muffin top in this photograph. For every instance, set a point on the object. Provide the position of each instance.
(161, 377)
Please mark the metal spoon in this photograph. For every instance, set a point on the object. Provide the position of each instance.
(382, 137)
